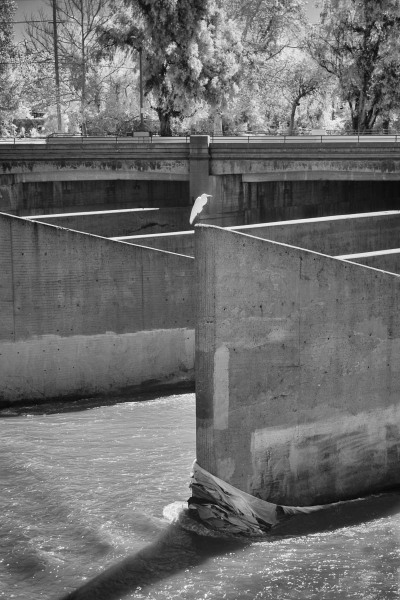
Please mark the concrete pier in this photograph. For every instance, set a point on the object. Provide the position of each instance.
(297, 379)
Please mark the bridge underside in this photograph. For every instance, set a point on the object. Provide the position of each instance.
(254, 198)
(249, 183)
(282, 200)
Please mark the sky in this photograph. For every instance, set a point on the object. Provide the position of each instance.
(27, 7)
(24, 7)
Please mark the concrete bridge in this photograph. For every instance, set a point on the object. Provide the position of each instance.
(252, 179)
(296, 320)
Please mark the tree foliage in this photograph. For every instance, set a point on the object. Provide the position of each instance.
(205, 62)
(358, 43)
(191, 53)
(266, 27)
(303, 79)
(287, 95)
(78, 50)
(7, 11)
(8, 81)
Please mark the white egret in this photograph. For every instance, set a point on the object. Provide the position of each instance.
(198, 206)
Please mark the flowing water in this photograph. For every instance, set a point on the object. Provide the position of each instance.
(88, 492)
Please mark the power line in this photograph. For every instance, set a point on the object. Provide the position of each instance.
(21, 22)
(68, 63)
(41, 21)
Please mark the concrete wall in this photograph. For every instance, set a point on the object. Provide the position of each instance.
(281, 200)
(386, 260)
(280, 181)
(297, 379)
(344, 234)
(84, 316)
(263, 161)
(180, 242)
(47, 197)
(348, 234)
(124, 222)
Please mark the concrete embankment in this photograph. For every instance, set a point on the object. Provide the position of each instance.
(338, 235)
(385, 260)
(110, 223)
(297, 378)
(84, 316)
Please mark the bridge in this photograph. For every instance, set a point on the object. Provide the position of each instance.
(251, 178)
(296, 319)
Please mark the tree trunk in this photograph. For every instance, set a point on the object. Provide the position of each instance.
(386, 124)
(295, 104)
(165, 124)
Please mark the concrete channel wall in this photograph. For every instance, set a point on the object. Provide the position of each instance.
(84, 316)
(385, 260)
(122, 222)
(343, 234)
(297, 379)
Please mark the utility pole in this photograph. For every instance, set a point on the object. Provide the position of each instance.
(83, 50)
(141, 88)
(56, 67)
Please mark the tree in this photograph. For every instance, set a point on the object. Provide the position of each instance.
(8, 81)
(266, 27)
(358, 43)
(269, 31)
(302, 80)
(7, 11)
(290, 92)
(191, 53)
(78, 49)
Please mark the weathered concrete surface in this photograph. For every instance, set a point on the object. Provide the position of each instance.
(181, 242)
(282, 200)
(89, 174)
(123, 222)
(296, 161)
(275, 182)
(385, 260)
(49, 197)
(297, 379)
(67, 297)
(339, 234)
(109, 364)
(344, 234)
(250, 183)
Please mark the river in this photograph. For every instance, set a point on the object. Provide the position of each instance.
(93, 491)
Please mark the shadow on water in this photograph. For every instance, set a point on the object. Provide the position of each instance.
(175, 550)
(49, 407)
(186, 544)
(340, 515)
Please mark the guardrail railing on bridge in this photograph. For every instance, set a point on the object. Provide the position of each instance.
(305, 138)
(248, 138)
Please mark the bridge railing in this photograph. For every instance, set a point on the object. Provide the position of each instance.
(117, 140)
(249, 138)
(79, 140)
(322, 138)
